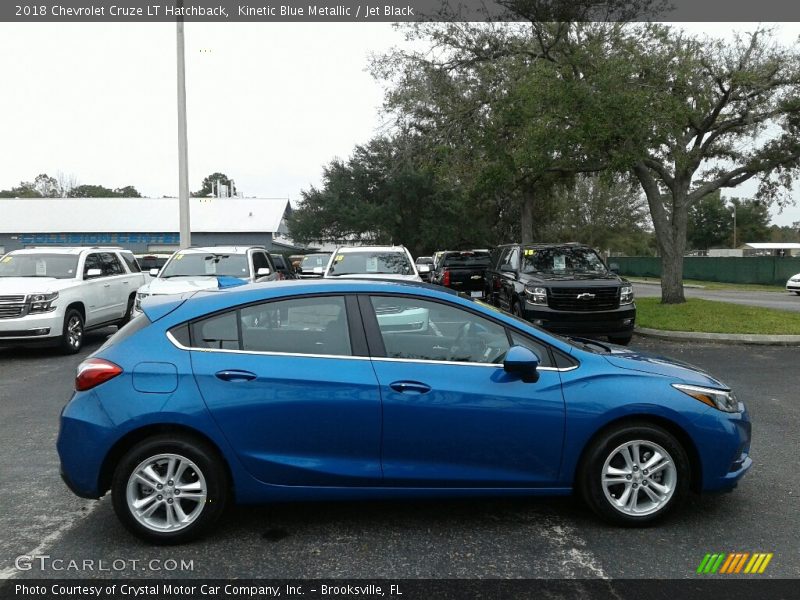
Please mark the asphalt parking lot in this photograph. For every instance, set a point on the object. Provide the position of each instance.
(551, 538)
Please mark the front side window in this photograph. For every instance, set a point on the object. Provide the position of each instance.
(418, 329)
(372, 263)
(59, 266)
(260, 261)
(194, 264)
(92, 262)
(294, 326)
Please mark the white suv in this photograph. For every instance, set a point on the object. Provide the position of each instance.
(53, 295)
(372, 262)
(207, 268)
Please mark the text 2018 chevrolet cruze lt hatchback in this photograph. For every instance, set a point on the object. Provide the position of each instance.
(366, 389)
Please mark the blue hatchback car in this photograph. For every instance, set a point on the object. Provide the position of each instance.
(367, 389)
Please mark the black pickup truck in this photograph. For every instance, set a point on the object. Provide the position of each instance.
(463, 270)
(564, 288)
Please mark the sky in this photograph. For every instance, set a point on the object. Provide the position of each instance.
(269, 104)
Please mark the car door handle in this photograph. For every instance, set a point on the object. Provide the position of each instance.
(234, 375)
(107, 285)
(410, 387)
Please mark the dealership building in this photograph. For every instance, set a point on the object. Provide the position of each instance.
(143, 224)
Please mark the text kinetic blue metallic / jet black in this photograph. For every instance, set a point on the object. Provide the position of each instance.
(356, 389)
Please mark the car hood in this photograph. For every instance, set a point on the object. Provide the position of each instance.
(574, 280)
(376, 276)
(180, 285)
(648, 363)
(12, 286)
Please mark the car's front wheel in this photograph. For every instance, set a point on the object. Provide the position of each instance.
(169, 489)
(634, 474)
(72, 332)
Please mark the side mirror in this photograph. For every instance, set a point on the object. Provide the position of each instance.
(614, 268)
(263, 272)
(154, 272)
(523, 362)
(93, 273)
(424, 269)
(318, 270)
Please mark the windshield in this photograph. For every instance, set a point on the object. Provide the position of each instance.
(193, 264)
(311, 261)
(372, 263)
(466, 259)
(60, 266)
(562, 261)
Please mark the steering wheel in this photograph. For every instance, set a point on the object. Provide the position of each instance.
(466, 340)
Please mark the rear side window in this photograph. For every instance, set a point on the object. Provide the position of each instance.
(294, 326)
(133, 266)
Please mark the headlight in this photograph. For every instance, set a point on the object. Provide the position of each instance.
(721, 399)
(626, 294)
(536, 295)
(137, 304)
(41, 303)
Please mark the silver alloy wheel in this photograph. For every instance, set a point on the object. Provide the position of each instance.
(166, 492)
(74, 331)
(639, 478)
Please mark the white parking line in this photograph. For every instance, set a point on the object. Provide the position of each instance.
(50, 538)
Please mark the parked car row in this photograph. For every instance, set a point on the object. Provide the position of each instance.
(564, 288)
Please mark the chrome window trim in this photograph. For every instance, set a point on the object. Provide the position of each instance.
(180, 346)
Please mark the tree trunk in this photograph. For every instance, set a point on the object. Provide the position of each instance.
(672, 259)
(526, 216)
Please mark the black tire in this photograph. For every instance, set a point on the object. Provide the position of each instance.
(72, 332)
(797, 293)
(128, 312)
(204, 466)
(590, 475)
(622, 340)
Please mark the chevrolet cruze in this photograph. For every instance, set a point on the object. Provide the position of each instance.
(320, 391)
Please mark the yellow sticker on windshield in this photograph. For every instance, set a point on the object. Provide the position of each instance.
(530, 252)
(179, 257)
(7, 259)
(339, 258)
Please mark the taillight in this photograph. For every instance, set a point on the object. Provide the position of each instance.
(446, 278)
(94, 371)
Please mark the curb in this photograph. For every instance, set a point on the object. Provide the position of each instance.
(722, 338)
(658, 283)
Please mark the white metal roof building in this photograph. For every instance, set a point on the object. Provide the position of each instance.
(141, 224)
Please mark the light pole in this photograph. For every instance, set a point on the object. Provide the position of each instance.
(183, 146)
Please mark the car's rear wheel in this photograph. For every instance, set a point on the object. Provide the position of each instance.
(128, 312)
(169, 489)
(634, 474)
(72, 332)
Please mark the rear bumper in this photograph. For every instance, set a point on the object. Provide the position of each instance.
(617, 322)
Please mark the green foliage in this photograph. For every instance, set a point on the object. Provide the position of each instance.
(752, 221)
(45, 186)
(209, 182)
(385, 193)
(710, 222)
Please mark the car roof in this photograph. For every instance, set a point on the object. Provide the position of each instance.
(547, 245)
(68, 249)
(220, 249)
(346, 249)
